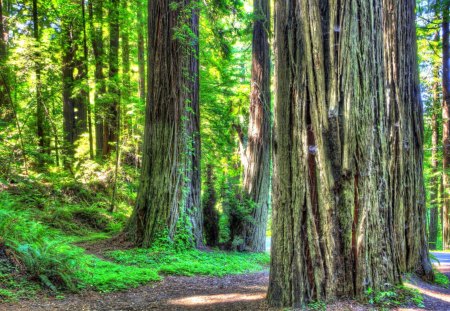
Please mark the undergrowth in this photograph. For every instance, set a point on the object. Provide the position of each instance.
(41, 219)
(399, 295)
(191, 262)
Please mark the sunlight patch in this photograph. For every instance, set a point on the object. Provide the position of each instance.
(213, 299)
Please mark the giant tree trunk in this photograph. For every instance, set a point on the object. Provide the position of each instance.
(446, 125)
(333, 210)
(405, 125)
(257, 157)
(111, 125)
(96, 30)
(160, 209)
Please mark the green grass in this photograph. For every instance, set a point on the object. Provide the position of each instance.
(192, 262)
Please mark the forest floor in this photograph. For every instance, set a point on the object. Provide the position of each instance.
(231, 292)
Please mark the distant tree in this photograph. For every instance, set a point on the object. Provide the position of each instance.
(112, 121)
(210, 214)
(96, 34)
(41, 124)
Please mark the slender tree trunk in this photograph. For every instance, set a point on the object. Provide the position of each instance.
(6, 113)
(40, 110)
(68, 84)
(446, 124)
(141, 50)
(161, 203)
(126, 80)
(435, 179)
(74, 102)
(257, 170)
(96, 29)
(86, 85)
(210, 214)
(110, 129)
(334, 213)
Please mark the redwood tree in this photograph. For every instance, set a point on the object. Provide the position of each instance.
(348, 127)
(161, 205)
(257, 155)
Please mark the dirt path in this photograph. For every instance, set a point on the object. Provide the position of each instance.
(238, 292)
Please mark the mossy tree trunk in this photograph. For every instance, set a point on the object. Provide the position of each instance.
(334, 214)
(257, 155)
(164, 190)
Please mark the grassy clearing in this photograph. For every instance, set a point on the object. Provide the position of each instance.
(40, 220)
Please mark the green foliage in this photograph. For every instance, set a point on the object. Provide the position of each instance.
(399, 295)
(191, 262)
(317, 306)
(107, 276)
(44, 255)
(441, 279)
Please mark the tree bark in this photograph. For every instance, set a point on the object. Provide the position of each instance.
(446, 125)
(160, 209)
(96, 30)
(257, 162)
(193, 173)
(405, 124)
(334, 214)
